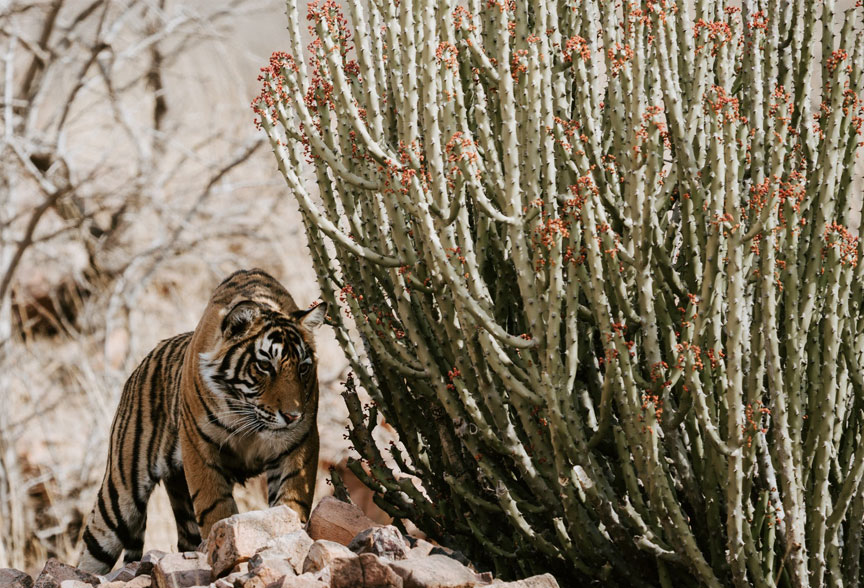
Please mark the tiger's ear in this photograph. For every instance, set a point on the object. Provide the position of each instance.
(311, 318)
(238, 319)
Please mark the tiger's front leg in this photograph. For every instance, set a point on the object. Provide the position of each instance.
(292, 481)
(211, 491)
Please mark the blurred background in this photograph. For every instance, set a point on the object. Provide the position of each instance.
(132, 180)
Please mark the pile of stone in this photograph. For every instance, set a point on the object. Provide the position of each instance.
(338, 548)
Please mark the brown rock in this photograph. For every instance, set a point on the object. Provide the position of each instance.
(383, 541)
(56, 572)
(337, 521)
(237, 538)
(303, 581)
(323, 553)
(543, 581)
(125, 573)
(12, 578)
(436, 571)
(182, 570)
(294, 547)
(271, 566)
(367, 570)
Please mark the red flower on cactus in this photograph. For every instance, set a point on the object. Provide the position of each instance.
(574, 44)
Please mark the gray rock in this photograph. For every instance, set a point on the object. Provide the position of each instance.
(182, 570)
(294, 547)
(56, 572)
(382, 541)
(323, 553)
(235, 579)
(437, 571)
(125, 573)
(271, 566)
(12, 578)
(304, 581)
(149, 561)
(237, 538)
(457, 555)
(420, 548)
(142, 581)
(543, 581)
(367, 570)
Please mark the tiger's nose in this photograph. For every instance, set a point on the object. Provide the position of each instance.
(290, 417)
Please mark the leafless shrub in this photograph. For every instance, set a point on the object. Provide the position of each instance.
(111, 189)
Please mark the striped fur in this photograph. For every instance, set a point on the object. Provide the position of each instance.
(206, 410)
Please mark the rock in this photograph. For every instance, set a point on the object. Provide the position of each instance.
(303, 581)
(182, 570)
(382, 541)
(237, 538)
(334, 520)
(142, 581)
(367, 570)
(251, 582)
(271, 566)
(294, 546)
(457, 555)
(55, 572)
(323, 553)
(125, 573)
(12, 578)
(436, 571)
(232, 580)
(421, 548)
(544, 581)
(149, 561)
(241, 568)
(74, 584)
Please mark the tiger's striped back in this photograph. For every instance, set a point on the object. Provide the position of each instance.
(208, 409)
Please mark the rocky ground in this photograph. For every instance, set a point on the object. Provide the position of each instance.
(338, 548)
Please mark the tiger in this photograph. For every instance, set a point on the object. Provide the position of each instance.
(206, 410)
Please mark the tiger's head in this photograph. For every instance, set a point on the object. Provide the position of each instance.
(262, 367)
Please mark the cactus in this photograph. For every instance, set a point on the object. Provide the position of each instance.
(596, 267)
